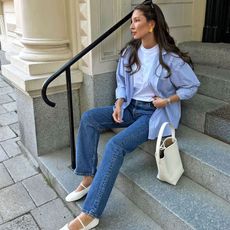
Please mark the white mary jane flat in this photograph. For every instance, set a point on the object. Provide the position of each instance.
(73, 196)
(91, 225)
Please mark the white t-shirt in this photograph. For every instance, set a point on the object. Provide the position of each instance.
(143, 91)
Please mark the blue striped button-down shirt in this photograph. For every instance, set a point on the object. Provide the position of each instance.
(182, 82)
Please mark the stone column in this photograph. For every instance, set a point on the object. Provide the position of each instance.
(18, 31)
(2, 36)
(2, 26)
(46, 48)
(7, 22)
(44, 30)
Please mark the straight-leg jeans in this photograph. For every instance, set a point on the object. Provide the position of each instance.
(136, 118)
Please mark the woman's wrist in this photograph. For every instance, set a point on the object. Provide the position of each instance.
(168, 100)
(119, 102)
(172, 99)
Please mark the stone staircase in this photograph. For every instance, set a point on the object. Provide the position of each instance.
(209, 110)
(201, 199)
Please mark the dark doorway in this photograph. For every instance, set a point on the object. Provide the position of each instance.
(217, 21)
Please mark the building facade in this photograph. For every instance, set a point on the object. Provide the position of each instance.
(39, 36)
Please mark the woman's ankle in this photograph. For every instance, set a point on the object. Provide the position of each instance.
(88, 218)
(87, 177)
(87, 180)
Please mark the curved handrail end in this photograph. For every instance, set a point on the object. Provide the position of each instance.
(45, 98)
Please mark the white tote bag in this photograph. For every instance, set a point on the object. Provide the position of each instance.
(168, 158)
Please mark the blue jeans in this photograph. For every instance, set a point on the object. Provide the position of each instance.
(93, 122)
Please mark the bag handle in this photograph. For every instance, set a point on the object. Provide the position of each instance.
(160, 134)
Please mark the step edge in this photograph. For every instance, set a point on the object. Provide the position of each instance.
(165, 205)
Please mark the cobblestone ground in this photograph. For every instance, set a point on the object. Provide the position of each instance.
(26, 199)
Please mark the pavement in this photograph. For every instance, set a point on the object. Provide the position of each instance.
(27, 201)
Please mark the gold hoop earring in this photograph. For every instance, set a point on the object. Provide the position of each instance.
(150, 30)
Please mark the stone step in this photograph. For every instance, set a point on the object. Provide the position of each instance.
(120, 212)
(206, 160)
(212, 54)
(215, 82)
(199, 155)
(185, 206)
(194, 110)
(218, 124)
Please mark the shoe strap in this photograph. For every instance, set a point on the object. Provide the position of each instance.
(83, 186)
(81, 222)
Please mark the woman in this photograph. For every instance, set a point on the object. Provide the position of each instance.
(153, 75)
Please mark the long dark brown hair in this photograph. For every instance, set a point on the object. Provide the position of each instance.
(161, 31)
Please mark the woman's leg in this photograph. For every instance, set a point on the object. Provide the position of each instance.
(97, 199)
(124, 142)
(93, 122)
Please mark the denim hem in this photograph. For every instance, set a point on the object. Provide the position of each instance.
(84, 174)
(90, 213)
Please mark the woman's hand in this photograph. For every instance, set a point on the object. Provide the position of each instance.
(117, 111)
(162, 102)
(159, 102)
(117, 114)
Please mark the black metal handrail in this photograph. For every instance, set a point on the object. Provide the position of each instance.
(66, 68)
(78, 57)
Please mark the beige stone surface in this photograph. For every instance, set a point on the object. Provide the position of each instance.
(45, 38)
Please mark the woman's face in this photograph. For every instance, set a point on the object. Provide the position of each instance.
(139, 26)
